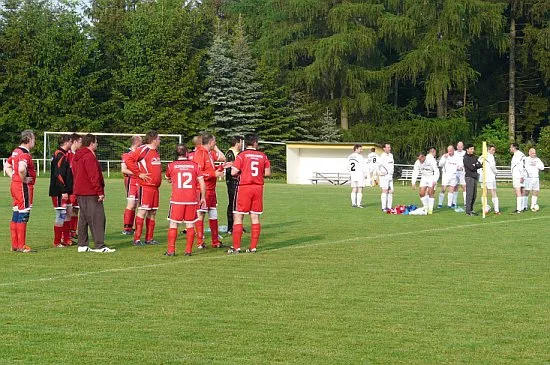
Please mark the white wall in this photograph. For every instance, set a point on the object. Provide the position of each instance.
(302, 162)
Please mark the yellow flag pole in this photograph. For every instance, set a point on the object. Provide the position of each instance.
(484, 178)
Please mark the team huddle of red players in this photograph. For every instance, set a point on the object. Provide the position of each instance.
(193, 176)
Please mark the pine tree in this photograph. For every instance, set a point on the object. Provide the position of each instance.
(323, 129)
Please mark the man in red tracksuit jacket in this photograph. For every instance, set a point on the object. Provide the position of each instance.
(89, 190)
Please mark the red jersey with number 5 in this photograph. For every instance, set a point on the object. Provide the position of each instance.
(185, 176)
(251, 164)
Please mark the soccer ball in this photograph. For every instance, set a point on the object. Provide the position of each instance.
(535, 208)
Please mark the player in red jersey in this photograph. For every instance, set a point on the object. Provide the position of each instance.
(203, 157)
(72, 210)
(251, 166)
(145, 163)
(20, 168)
(61, 186)
(131, 183)
(197, 142)
(184, 175)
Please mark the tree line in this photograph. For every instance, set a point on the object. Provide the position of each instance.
(417, 73)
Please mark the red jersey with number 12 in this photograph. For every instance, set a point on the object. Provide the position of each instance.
(185, 176)
(252, 164)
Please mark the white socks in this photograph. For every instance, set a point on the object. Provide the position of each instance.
(384, 201)
(464, 197)
(353, 198)
(534, 200)
(519, 203)
(495, 204)
(441, 198)
(359, 198)
(431, 202)
(450, 197)
(455, 198)
(390, 200)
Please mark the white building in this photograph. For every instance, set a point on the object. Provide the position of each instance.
(307, 160)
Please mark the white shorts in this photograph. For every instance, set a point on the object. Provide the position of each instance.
(449, 180)
(516, 183)
(532, 183)
(491, 185)
(461, 177)
(358, 183)
(427, 182)
(386, 182)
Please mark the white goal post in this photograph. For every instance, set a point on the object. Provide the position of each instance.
(111, 146)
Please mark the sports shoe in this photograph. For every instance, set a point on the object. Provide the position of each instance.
(497, 213)
(183, 231)
(187, 254)
(128, 232)
(452, 206)
(360, 206)
(516, 212)
(439, 206)
(151, 242)
(233, 250)
(68, 243)
(104, 249)
(169, 254)
(26, 249)
(251, 250)
(229, 232)
(58, 245)
(354, 206)
(201, 246)
(217, 245)
(524, 210)
(83, 249)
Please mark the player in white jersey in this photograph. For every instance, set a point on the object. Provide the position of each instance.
(427, 168)
(460, 173)
(518, 177)
(490, 178)
(449, 164)
(385, 171)
(372, 171)
(533, 165)
(356, 168)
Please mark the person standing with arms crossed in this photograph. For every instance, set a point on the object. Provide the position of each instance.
(251, 166)
(231, 181)
(89, 188)
(61, 187)
(385, 171)
(20, 169)
(131, 184)
(145, 163)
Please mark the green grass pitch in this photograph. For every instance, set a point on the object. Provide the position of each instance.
(329, 285)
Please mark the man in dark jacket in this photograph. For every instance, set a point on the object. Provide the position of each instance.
(471, 165)
(231, 181)
(89, 190)
(61, 186)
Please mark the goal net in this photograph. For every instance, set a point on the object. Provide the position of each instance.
(110, 148)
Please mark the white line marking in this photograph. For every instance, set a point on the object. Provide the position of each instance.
(131, 268)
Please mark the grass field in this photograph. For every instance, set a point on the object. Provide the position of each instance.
(330, 285)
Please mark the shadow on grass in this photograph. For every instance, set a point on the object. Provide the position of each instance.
(292, 242)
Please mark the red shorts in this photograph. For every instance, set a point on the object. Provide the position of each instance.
(211, 201)
(22, 195)
(186, 213)
(73, 201)
(148, 197)
(60, 203)
(132, 189)
(250, 199)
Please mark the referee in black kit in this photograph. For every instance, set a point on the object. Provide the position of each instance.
(232, 181)
(471, 165)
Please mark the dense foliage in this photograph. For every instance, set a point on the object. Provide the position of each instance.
(414, 72)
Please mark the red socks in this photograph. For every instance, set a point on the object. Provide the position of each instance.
(199, 226)
(172, 236)
(21, 235)
(74, 223)
(129, 215)
(213, 223)
(67, 233)
(149, 229)
(139, 228)
(255, 235)
(190, 235)
(57, 235)
(237, 235)
(13, 232)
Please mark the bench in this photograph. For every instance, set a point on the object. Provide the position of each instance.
(334, 178)
(501, 176)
